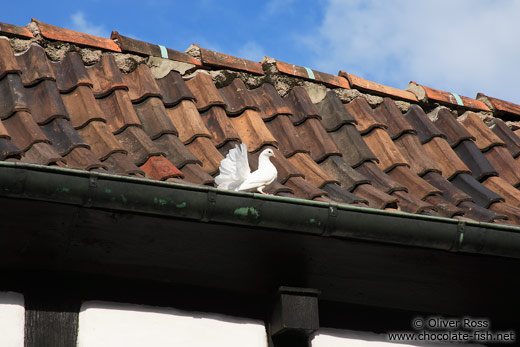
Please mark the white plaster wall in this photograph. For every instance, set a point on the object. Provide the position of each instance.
(105, 324)
(12, 319)
(350, 338)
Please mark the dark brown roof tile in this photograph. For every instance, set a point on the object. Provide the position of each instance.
(303, 189)
(339, 194)
(425, 128)
(35, 66)
(138, 145)
(454, 131)
(15, 30)
(205, 151)
(415, 185)
(333, 113)
(205, 91)
(314, 174)
(504, 189)
(450, 193)
(219, 126)
(195, 174)
(8, 62)
(252, 130)
(484, 137)
(411, 204)
(81, 107)
(287, 136)
(388, 154)
(375, 197)
(43, 154)
(507, 135)
(45, 102)
(362, 112)
(23, 130)
(347, 176)
(505, 164)
(187, 121)
(105, 76)
(118, 111)
(480, 194)
(141, 84)
(277, 188)
(131, 45)
(354, 149)
(60, 34)
(237, 97)
(313, 75)
(3, 131)
(379, 179)
(412, 150)
(389, 114)
(122, 164)
(443, 207)
(316, 140)
(443, 155)
(174, 89)
(501, 106)
(221, 60)
(63, 136)
(475, 160)
(301, 105)
(8, 149)
(102, 141)
(154, 118)
(159, 168)
(481, 214)
(285, 168)
(12, 91)
(269, 102)
(70, 73)
(175, 151)
(82, 158)
(378, 89)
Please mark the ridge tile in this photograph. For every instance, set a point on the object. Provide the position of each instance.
(221, 60)
(378, 89)
(312, 75)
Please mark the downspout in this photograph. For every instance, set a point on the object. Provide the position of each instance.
(207, 204)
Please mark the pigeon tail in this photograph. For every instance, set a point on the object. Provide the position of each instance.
(234, 169)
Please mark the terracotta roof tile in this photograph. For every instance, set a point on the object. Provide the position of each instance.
(450, 193)
(3, 131)
(122, 164)
(205, 151)
(507, 135)
(13, 98)
(187, 121)
(138, 145)
(347, 176)
(60, 34)
(411, 204)
(175, 151)
(504, 189)
(316, 140)
(415, 185)
(63, 136)
(425, 128)
(70, 73)
(105, 76)
(301, 105)
(454, 131)
(512, 212)
(45, 102)
(379, 179)
(15, 30)
(388, 154)
(141, 84)
(375, 197)
(500, 106)
(130, 45)
(443, 155)
(8, 149)
(313, 75)
(475, 160)
(154, 118)
(43, 154)
(237, 97)
(480, 194)
(453, 99)
(376, 88)
(174, 89)
(82, 158)
(443, 207)
(23, 130)
(159, 168)
(219, 126)
(302, 189)
(102, 143)
(270, 104)
(35, 66)
(505, 165)
(479, 213)
(195, 174)
(333, 113)
(205, 91)
(118, 111)
(339, 194)
(484, 137)
(221, 60)
(81, 107)
(252, 130)
(414, 153)
(8, 62)
(314, 174)
(362, 112)
(388, 113)
(288, 137)
(354, 149)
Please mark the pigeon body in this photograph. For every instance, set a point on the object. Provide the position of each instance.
(236, 175)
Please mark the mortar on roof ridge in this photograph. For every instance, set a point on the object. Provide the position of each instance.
(56, 51)
(128, 62)
(161, 67)
(194, 51)
(347, 95)
(419, 91)
(90, 56)
(403, 106)
(434, 115)
(223, 78)
(513, 125)
(33, 28)
(20, 45)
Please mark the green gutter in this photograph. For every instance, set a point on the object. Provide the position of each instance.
(206, 204)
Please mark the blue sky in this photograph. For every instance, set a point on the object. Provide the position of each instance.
(463, 46)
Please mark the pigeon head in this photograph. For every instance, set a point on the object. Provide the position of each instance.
(267, 153)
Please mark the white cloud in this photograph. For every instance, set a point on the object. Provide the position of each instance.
(81, 24)
(251, 50)
(462, 46)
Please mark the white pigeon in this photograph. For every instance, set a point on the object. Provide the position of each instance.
(236, 175)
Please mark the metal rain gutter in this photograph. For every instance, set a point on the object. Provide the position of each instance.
(207, 204)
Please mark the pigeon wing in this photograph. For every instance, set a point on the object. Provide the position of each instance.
(258, 178)
(234, 169)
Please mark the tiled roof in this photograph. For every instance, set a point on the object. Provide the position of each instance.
(340, 139)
